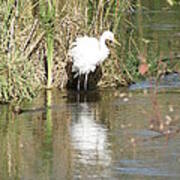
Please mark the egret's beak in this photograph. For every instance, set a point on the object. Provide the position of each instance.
(116, 42)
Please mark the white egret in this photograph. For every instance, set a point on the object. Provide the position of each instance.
(87, 53)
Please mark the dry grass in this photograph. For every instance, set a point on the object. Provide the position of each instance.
(38, 33)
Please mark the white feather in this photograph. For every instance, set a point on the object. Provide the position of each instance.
(88, 52)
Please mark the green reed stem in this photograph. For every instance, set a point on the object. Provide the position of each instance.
(50, 49)
(47, 12)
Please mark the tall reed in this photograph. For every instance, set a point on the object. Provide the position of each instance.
(47, 16)
(18, 78)
(45, 42)
(35, 36)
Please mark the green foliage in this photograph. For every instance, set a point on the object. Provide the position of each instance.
(132, 63)
(17, 78)
(24, 62)
(47, 16)
(50, 49)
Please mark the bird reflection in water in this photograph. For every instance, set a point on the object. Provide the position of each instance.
(89, 136)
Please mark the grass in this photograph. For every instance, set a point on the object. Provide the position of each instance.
(35, 36)
(47, 17)
(18, 79)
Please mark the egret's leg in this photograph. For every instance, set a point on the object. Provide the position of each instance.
(85, 81)
(78, 83)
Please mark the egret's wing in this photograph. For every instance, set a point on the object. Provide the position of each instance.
(85, 54)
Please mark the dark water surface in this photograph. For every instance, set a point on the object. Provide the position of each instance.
(158, 22)
(112, 134)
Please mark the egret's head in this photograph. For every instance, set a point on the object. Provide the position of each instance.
(108, 36)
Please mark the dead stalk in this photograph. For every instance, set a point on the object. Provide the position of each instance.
(29, 38)
(34, 46)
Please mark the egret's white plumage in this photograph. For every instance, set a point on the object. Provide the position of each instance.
(87, 53)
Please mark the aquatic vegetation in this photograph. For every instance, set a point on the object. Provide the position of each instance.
(18, 80)
(20, 76)
(47, 16)
(37, 34)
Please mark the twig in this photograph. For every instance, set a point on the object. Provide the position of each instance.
(34, 26)
(10, 43)
(11, 40)
(9, 15)
(33, 47)
(16, 4)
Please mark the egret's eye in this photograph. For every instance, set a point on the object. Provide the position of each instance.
(108, 42)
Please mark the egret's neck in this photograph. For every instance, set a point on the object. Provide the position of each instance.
(103, 43)
(104, 51)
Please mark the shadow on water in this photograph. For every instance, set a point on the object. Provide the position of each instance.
(171, 81)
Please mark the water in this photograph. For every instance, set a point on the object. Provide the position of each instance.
(171, 81)
(160, 24)
(107, 134)
(96, 135)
